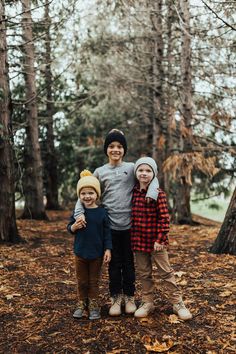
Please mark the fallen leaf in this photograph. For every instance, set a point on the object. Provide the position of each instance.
(160, 347)
(174, 319)
(225, 293)
(179, 274)
(11, 296)
(182, 282)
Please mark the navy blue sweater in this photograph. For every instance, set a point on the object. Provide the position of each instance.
(91, 241)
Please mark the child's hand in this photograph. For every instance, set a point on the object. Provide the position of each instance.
(80, 222)
(107, 256)
(158, 247)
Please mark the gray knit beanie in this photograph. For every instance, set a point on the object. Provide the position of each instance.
(148, 161)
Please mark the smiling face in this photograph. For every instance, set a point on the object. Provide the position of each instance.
(115, 153)
(144, 175)
(88, 197)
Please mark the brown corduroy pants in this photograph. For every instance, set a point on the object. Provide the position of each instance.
(87, 274)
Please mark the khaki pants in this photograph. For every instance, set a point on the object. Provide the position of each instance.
(144, 264)
(88, 274)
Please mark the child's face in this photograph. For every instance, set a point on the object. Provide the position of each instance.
(115, 152)
(144, 174)
(88, 197)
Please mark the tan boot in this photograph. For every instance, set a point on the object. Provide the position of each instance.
(144, 310)
(181, 311)
(130, 306)
(115, 309)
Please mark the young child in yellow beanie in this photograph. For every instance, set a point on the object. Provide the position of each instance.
(92, 246)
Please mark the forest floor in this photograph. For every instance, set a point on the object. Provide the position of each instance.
(38, 297)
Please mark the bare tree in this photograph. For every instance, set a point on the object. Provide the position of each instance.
(226, 238)
(33, 180)
(158, 117)
(183, 188)
(8, 228)
(50, 157)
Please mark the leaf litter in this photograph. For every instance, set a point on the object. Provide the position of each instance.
(38, 297)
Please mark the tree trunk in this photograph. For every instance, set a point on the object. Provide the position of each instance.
(159, 126)
(50, 157)
(226, 238)
(173, 134)
(33, 181)
(8, 228)
(183, 189)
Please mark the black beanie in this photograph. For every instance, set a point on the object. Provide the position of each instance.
(115, 135)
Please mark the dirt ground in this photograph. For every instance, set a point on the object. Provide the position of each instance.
(38, 297)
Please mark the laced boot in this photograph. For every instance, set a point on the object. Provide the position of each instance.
(130, 306)
(115, 309)
(181, 311)
(144, 309)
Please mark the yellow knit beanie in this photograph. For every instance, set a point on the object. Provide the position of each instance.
(88, 180)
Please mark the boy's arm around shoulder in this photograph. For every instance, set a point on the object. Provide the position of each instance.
(163, 218)
(79, 209)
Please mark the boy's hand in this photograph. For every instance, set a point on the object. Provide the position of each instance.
(107, 256)
(158, 247)
(81, 222)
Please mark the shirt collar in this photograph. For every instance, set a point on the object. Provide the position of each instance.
(137, 188)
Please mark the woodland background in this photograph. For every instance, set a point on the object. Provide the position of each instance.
(163, 72)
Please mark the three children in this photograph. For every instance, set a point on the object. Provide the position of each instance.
(150, 227)
(117, 182)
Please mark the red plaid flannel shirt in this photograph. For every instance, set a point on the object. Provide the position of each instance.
(150, 221)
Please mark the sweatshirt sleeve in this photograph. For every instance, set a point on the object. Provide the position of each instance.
(79, 209)
(163, 219)
(153, 189)
(107, 233)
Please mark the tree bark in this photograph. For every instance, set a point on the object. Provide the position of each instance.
(226, 238)
(159, 125)
(183, 189)
(33, 181)
(50, 157)
(8, 227)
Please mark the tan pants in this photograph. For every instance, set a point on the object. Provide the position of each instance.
(88, 274)
(144, 264)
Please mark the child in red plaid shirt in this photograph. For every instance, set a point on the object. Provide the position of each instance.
(149, 238)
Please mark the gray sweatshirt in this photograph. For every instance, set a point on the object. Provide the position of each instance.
(117, 184)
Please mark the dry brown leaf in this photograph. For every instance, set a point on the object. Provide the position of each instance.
(225, 293)
(117, 351)
(160, 347)
(11, 296)
(179, 274)
(174, 319)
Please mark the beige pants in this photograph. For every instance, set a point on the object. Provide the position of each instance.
(144, 264)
